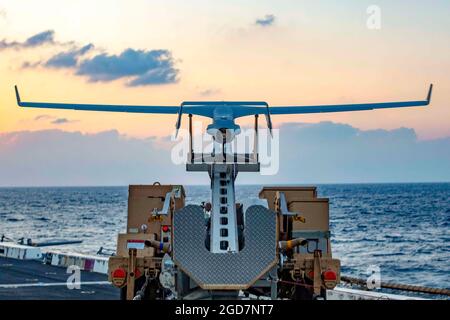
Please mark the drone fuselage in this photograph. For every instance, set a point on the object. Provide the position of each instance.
(223, 124)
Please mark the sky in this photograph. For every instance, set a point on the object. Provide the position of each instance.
(324, 152)
(165, 52)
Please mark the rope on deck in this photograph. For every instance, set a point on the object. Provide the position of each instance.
(396, 286)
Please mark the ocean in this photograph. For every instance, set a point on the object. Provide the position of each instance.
(401, 228)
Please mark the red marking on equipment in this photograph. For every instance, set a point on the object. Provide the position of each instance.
(119, 273)
(119, 277)
(137, 273)
(136, 241)
(89, 264)
(329, 275)
(165, 228)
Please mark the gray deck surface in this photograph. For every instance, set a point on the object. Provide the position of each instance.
(34, 277)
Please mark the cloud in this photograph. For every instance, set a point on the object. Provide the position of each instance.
(144, 67)
(29, 65)
(209, 92)
(6, 45)
(69, 58)
(2, 13)
(310, 153)
(138, 67)
(42, 158)
(63, 121)
(54, 120)
(42, 38)
(331, 152)
(43, 117)
(268, 20)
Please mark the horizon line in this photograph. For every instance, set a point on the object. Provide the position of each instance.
(237, 184)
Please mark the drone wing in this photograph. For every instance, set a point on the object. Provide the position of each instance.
(98, 107)
(348, 107)
(262, 108)
(239, 108)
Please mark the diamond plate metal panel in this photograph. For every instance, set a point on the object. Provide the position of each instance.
(232, 271)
